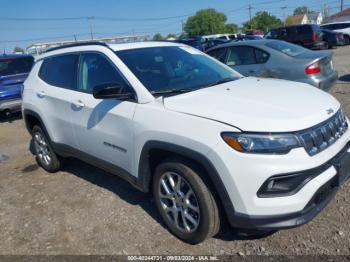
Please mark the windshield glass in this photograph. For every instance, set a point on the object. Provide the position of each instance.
(174, 67)
(287, 48)
(13, 66)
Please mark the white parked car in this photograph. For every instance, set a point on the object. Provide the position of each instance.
(342, 27)
(208, 143)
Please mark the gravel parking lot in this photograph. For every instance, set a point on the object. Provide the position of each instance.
(83, 210)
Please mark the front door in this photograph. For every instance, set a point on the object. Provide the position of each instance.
(102, 127)
(242, 59)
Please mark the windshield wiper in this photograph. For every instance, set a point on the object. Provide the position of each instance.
(172, 91)
(221, 81)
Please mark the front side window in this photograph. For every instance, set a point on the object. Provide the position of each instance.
(174, 68)
(14, 66)
(59, 71)
(94, 70)
(241, 55)
(219, 54)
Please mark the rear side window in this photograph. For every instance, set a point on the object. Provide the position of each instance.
(304, 29)
(291, 30)
(14, 66)
(59, 71)
(261, 56)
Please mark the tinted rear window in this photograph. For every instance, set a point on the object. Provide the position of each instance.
(286, 48)
(13, 66)
(59, 71)
(304, 29)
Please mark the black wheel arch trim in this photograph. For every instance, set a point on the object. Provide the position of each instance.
(145, 176)
(28, 112)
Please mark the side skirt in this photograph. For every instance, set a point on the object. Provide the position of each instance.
(68, 151)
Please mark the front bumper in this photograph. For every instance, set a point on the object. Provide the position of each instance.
(319, 201)
(12, 105)
(244, 174)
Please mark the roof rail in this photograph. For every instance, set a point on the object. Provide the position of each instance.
(77, 44)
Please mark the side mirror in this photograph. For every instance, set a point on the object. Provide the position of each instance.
(112, 90)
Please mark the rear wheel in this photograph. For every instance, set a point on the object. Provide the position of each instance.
(45, 156)
(184, 201)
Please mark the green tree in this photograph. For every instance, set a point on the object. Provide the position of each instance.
(206, 22)
(263, 21)
(157, 36)
(289, 21)
(301, 10)
(18, 49)
(171, 36)
(231, 28)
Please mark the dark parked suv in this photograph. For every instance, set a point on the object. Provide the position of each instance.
(309, 36)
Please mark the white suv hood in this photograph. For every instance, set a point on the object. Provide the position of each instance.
(261, 105)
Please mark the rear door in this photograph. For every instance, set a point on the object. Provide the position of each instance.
(53, 94)
(103, 127)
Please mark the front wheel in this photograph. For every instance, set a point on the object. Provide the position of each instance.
(184, 201)
(45, 156)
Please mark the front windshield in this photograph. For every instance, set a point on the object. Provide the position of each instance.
(287, 48)
(175, 68)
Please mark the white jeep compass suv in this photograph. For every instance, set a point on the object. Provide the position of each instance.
(208, 143)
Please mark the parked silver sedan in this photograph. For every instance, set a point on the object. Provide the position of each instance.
(278, 59)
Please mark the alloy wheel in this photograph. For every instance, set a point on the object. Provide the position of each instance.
(179, 202)
(42, 149)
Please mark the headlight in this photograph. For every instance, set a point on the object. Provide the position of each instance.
(261, 143)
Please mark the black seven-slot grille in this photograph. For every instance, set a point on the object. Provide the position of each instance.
(318, 138)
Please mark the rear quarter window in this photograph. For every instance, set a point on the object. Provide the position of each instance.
(59, 71)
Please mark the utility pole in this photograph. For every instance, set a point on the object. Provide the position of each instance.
(283, 8)
(75, 38)
(90, 18)
(250, 16)
(341, 5)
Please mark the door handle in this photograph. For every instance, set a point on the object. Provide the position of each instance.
(78, 104)
(41, 94)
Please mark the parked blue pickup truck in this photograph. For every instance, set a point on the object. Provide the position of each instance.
(14, 70)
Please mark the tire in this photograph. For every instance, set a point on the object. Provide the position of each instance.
(200, 204)
(44, 154)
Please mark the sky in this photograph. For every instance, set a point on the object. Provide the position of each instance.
(24, 22)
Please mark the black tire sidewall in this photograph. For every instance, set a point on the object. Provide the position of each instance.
(201, 233)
